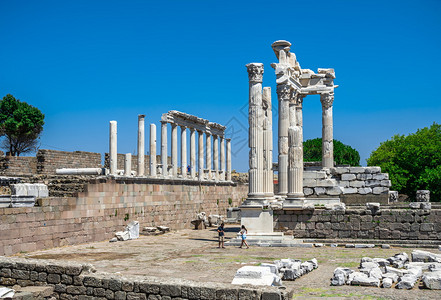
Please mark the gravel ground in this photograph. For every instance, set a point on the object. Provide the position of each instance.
(193, 255)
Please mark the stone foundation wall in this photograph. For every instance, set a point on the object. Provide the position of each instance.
(79, 281)
(121, 159)
(106, 206)
(50, 160)
(387, 224)
(18, 165)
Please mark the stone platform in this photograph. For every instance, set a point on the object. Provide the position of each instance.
(275, 239)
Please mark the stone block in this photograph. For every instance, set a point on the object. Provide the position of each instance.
(372, 170)
(372, 183)
(348, 177)
(319, 191)
(334, 191)
(380, 190)
(415, 205)
(426, 205)
(380, 176)
(364, 190)
(357, 183)
(308, 191)
(5, 201)
(339, 170)
(357, 170)
(256, 275)
(393, 196)
(341, 275)
(406, 282)
(385, 246)
(364, 176)
(326, 182)
(308, 182)
(343, 183)
(432, 280)
(425, 256)
(361, 279)
(387, 283)
(423, 196)
(349, 190)
(386, 183)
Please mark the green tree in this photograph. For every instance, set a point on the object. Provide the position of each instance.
(343, 154)
(413, 162)
(20, 124)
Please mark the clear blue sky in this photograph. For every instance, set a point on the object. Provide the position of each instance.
(84, 63)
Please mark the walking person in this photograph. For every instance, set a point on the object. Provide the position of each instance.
(243, 234)
(221, 233)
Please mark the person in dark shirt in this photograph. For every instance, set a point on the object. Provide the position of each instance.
(221, 233)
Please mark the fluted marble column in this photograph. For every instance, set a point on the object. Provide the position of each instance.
(174, 153)
(128, 164)
(222, 158)
(208, 152)
(284, 95)
(192, 153)
(152, 150)
(327, 100)
(295, 155)
(164, 158)
(216, 156)
(184, 151)
(228, 159)
(141, 146)
(201, 155)
(113, 154)
(268, 181)
(255, 75)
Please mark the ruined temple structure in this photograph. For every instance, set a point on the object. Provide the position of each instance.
(213, 161)
(298, 189)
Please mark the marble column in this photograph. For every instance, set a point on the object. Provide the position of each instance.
(222, 158)
(327, 100)
(228, 159)
(268, 181)
(284, 95)
(208, 152)
(184, 151)
(174, 153)
(192, 153)
(128, 164)
(216, 157)
(152, 150)
(201, 155)
(113, 154)
(141, 146)
(295, 155)
(164, 155)
(255, 76)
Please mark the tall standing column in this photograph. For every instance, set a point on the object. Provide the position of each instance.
(152, 150)
(164, 155)
(268, 182)
(141, 146)
(192, 153)
(284, 94)
(255, 76)
(174, 153)
(228, 159)
(184, 151)
(327, 100)
(128, 164)
(222, 158)
(201, 155)
(208, 152)
(216, 156)
(295, 155)
(113, 154)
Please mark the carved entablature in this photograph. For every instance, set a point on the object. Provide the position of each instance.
(287, 69)
(255, 72)
(327, 99)
(193, 122)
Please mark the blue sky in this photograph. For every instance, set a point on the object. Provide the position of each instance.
(84, 63)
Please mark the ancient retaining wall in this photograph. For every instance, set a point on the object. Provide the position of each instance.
(18, 165)
(50, 160)
(107, 206)
(78, 281)
(387, 224)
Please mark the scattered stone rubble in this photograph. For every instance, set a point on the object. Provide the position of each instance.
(131, 232)
(422, 200)
(398, 270)
(202, 221)
(155, 230)
(273, 274)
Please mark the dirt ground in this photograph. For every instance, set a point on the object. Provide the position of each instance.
(193, 255)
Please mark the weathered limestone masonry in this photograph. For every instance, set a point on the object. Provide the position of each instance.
(80, 281)
(386, 224)
(107, 205)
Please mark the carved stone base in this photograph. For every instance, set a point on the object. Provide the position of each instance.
(257, 219)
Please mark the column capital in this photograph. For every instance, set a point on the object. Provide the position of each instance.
(141, 116)
(327, 99)
(255, 72)
(183, 127)
(284, 92)
(228, 140)
(163, 122)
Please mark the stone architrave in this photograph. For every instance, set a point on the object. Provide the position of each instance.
(284, 94)
(113, 154)
(228, 159)
(327, 100)
(128, 164)
(184, 151)
(216, 156)
(201, 155)
(268, 182)
(141, 146)
(255, 75)
(208, 152)
(164, 158)
(152, 150)
(192, 153)
(222, 158)
(174, 153)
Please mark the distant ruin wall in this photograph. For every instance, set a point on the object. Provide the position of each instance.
(387, 224)
(107, 206)
(18, 165)
(50, 160)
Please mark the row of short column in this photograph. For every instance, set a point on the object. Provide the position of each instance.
(218, 173)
